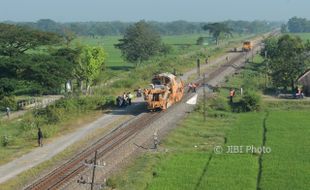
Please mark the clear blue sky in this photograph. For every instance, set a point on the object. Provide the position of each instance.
(159, 10)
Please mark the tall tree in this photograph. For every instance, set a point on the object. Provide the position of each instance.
(139, 43)
(90, 65)
(218, 29)
(287, 60)
(15, 40)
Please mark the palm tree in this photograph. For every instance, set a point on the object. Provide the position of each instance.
(216, 29)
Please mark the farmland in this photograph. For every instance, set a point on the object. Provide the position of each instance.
(179, 43)
(303, 36)
(188, 159)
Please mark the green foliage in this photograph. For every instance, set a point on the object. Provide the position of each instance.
(287, 59)
(17, 40)
(30, 72)
(284, 28)
(218, 29)
(56, 113)
(91, 63)
(140, 42)
(111, 183)
(5, 140)
(8, 101)
(296, 25)
(7, 86)
(251, 101)
(200, 41)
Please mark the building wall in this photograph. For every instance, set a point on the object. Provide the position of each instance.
(305, 82)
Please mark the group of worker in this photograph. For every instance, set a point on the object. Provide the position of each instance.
(299, 93)
(124, 99)
(192, 87)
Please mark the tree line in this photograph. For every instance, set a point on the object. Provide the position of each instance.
(163, 28)
(296, 25)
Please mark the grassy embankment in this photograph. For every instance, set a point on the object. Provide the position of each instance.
(191, 162)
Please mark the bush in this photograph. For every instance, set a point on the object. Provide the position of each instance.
(8, 101)
(219, 103)
(65, 107)
(111, 183)
(5, 140)
(251, 101)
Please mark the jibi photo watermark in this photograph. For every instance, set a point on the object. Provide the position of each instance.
(248, 149)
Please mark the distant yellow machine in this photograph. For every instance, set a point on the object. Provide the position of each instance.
(247, 46)
(164, 91)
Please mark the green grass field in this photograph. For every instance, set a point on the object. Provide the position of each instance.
(288, 166)
(180, 44)
(186, 167)
(303, 36)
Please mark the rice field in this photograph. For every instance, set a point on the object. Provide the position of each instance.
(193, 165)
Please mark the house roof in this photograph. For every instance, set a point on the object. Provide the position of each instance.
(307, 72)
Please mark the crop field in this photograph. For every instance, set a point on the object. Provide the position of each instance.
(288, 166)
(115, 60)
(188, 167)
(303, 36)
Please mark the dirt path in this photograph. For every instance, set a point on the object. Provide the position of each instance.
(39, 155)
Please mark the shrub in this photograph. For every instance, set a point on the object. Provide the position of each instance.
(5, 140)
(8, 101)
(111, 183)
(251, 101)
(219, 103)
(65, 107)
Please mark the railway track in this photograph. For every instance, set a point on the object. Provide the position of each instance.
(75, 166)
(59, 176)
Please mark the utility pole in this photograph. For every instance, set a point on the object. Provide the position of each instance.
(94, 170)
(198, 67)
(204, 97)
(266, 60)
(92, 183)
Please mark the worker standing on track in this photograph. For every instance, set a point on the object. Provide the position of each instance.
(129, 96)
(40, 138)
(190, 86)
(125, 99)
(8, 112)
(231, 95)
(119, 101)
(194, 86)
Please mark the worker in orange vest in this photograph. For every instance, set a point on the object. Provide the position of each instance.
(231, 95)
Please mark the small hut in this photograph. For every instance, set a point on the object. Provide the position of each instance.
(304, 80)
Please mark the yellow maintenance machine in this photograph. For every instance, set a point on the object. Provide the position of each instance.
(164, 91)
(247, 46)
